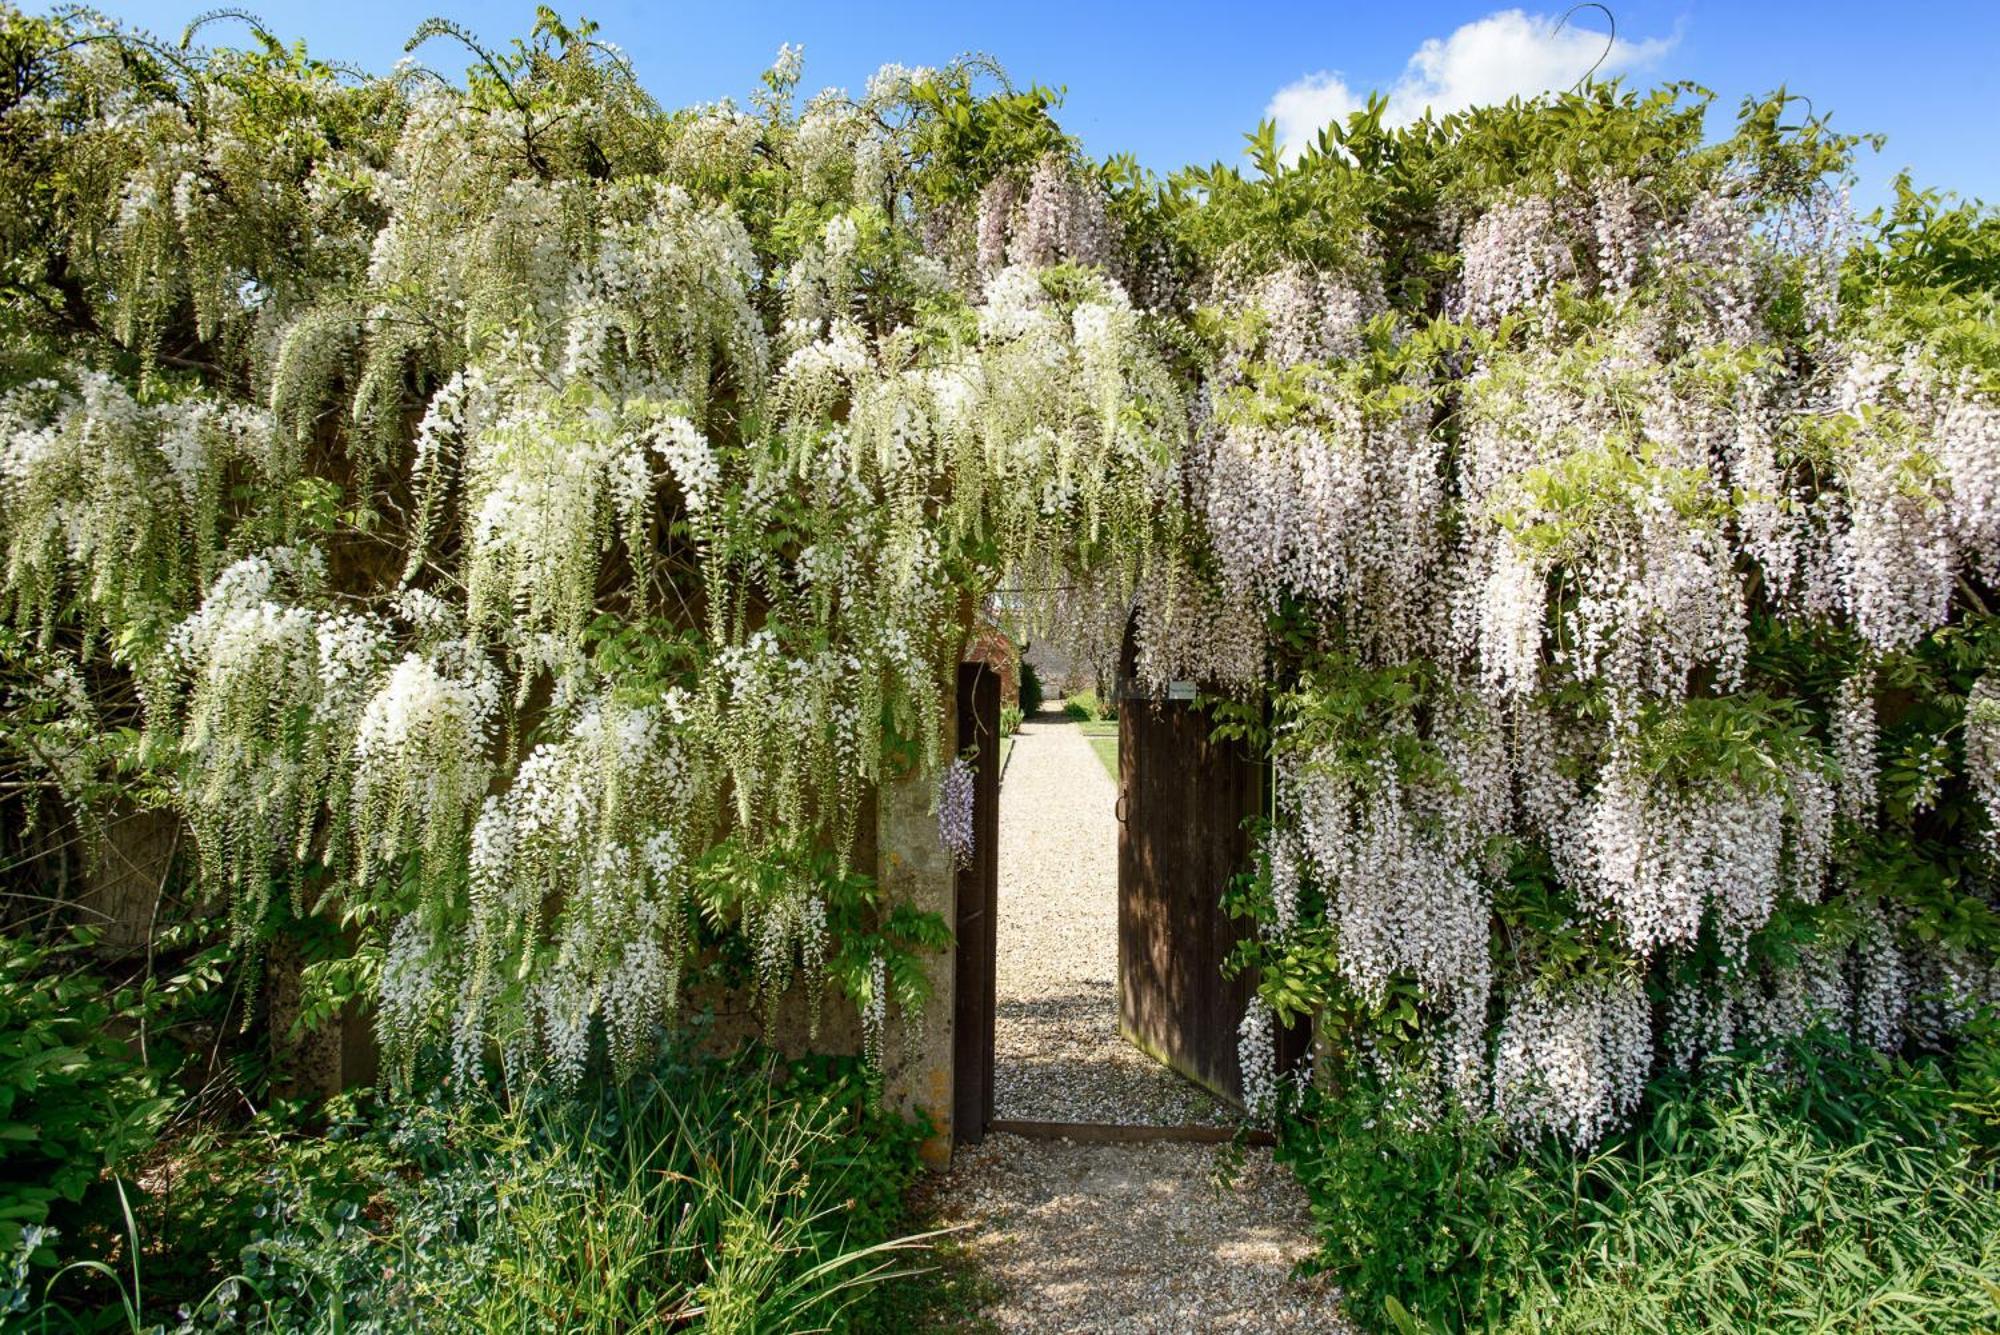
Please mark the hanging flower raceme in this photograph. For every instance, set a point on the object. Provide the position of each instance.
(1185, 629)
(262, 694)
(1401, 869)
(1982, 750)
(1316, 473)
(1572, 1064)
(1257, 1058)
(1058, 217)
(1853, 736)
(423, 758)
(955, 800)
(1341, 503)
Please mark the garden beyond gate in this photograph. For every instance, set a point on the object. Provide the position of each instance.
(1185, 811)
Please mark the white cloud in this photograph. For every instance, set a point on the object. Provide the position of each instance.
(1303, 108)
(1506, 54)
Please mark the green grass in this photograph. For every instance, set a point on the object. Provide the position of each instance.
(742, 1195)
(1850, 1193)
(1103, 738)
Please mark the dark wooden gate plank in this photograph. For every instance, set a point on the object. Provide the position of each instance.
(1186, 803)
(976, 919)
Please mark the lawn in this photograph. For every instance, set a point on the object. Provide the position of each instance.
(1104, 740)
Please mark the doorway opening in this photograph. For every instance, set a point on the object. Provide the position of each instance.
(1091, 996)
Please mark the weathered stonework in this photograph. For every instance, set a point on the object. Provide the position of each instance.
(316, 1063)
(132, 855)
(914, 868)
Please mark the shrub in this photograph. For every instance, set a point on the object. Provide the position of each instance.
(1811, 1188)
(757, 1195)
(75, 1101)
(1436, 1218)
(751, 1194)
(1031, 689)
(1010, 721)
(1087, 707)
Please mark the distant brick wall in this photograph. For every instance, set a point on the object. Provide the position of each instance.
(990, 645)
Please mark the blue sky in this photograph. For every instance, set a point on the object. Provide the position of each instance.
(1175, 83)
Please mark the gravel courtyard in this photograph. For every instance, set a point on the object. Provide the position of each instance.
(1058, 1056)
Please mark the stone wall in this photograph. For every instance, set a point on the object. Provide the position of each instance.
(914, 868)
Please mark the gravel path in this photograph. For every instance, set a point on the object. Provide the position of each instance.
(1058, 1056)
(1107, 1238)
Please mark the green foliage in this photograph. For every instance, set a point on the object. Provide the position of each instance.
(1436, 1218)
(748, 1195)
(1814, 1188)
(966, 137)
(1935, 272)
(1031, 689)
(734, 883)
(1085, 707)
(1367, 178)
(741, 1195)
(76, 1100)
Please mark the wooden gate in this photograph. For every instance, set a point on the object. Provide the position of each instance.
(976, 918)
(1184, 804)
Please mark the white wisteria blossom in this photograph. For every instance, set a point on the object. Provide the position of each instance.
(1573, 1063)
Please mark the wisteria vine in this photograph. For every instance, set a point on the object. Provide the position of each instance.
(529, 526)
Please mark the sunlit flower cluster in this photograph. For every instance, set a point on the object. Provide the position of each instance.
(595, 821)
(262, 692)
(423, 756)
(118, 501)
(1982, 749)
(1059, 216)
(1257, 1057)
(1664, 863)
(1619, 497)
(1572, 1064)
(1401, 871)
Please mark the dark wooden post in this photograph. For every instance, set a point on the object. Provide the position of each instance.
(976, 919)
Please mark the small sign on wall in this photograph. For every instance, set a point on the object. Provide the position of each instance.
(1180, 690)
